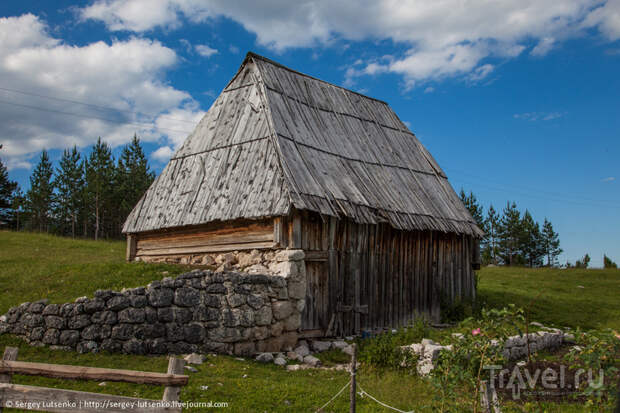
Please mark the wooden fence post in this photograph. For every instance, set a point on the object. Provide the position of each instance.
(175, 366)
(10, 353)
(353, 383)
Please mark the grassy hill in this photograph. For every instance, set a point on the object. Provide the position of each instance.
(561, 297)
(34, 266)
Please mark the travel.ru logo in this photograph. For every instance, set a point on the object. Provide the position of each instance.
(543, 379)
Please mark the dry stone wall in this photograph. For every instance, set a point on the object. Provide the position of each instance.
(200, 311)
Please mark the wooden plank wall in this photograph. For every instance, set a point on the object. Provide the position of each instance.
(385, 276)
(213, 238)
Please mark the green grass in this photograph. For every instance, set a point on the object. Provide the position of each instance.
(561, 301)
(33, 266)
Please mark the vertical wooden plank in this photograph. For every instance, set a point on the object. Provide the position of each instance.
(278, 232)
(295, 236)
(10, 354)
(131, 247)
(175, 366)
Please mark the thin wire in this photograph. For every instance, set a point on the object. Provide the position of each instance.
(333, 398)
(93, 105)
(142, 125)
(599, 204)
(364, 392)
(529, 188)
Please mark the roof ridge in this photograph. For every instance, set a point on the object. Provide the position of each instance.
(251, 54)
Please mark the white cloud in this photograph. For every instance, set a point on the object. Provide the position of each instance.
(429, 89)
(444, 38)
(534, 116)
(122, 82)
(162, 154)
(233, 49)
(609, 179)
(204, 50)
(607, 19)
(543, 47)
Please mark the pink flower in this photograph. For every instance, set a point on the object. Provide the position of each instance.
(617, 335)
(475, 331)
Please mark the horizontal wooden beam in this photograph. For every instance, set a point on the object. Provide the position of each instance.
(316, 255)
(207, 239)
(61, 371)
(66, 401)
(205, 249)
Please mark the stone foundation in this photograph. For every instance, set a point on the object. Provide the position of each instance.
(200, 311)
(250, 261)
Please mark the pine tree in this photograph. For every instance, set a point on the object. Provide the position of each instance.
(608, 263)
(18, 207)
(7, 187)
(40, 196)
(133, 178)
(99, 185)
(69, 183)
(550, 243)
(473, 206)
(491, 224)
(510, 235)
(584, 262)
(531, 240)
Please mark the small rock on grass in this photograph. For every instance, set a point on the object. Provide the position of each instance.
(339, 344)
(348, 350)
(291, 355)
(194, 358)
(191, 369)
(279, 361)
(320, 346)
(312, 361)
(302, 351)
(265, 357)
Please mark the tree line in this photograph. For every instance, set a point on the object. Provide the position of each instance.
(512, 237)
(85, 196)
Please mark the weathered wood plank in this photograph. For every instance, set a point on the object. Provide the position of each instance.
(131, 247)
(175, 367)
(60, 371)
(206, 249)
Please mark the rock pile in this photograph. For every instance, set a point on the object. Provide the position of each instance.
(515, 347)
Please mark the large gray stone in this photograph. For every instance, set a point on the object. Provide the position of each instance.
(131, 315)
(281, 309)
(104, 317)
(186, 297)
(69, 338)
(117, 303)
(78, 321)
(161, 297)
(255, 301)
(52, 321)
(51, 336)
(92, 306)
(263, 316)
(235, 300)
(122, 332)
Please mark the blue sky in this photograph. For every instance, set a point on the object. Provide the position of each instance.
(517, 100)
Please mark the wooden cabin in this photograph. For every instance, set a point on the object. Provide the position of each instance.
(284, 160)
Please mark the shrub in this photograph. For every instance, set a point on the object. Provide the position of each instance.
(383, 350)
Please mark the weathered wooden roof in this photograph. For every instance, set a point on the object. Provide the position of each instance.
(276, 139)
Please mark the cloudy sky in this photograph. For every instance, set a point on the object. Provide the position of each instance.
(517, 99)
